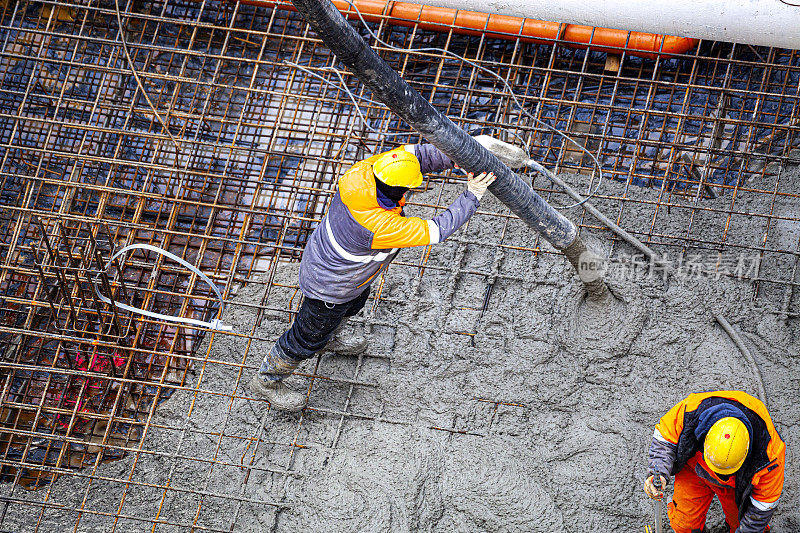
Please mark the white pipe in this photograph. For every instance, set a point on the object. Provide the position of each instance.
(757, 22)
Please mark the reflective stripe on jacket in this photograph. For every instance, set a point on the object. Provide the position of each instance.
(759, 482)
(358, 237)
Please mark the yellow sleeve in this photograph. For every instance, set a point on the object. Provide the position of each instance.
(671, 424)
(768, 487)
(392, 230)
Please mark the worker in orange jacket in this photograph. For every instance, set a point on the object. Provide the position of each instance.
(362, 232)
(719, 443)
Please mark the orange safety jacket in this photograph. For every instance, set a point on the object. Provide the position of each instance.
(758, 483)
(358, 236)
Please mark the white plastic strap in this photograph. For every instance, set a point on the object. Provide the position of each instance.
(215, 324)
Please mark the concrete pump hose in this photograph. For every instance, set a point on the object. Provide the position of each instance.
(388, 87)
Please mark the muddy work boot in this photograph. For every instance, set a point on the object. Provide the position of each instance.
(278, 395)
(346, 343)
(268, 383)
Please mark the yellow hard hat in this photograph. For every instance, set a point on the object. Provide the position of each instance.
(726, 445)
(398, 168)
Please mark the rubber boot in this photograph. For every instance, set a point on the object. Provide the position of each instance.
(346, 343)
(268, 383)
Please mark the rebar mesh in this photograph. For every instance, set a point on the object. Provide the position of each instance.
(87, 168)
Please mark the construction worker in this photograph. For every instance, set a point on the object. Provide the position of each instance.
(357, 239)
(719, 443)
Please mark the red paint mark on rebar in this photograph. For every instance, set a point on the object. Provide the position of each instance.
(118, 361)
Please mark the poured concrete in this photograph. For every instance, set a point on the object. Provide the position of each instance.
(540, 421)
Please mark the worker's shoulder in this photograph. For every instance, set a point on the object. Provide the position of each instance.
(357, 188)
(752, 403)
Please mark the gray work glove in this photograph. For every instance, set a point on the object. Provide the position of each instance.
(477, 185)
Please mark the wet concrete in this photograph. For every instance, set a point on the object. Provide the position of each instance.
(535, 416)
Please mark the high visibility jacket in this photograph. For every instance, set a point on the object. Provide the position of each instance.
(758, 483)
(358, 236)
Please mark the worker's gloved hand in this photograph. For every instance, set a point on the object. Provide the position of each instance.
(477, 185)
(650, 489)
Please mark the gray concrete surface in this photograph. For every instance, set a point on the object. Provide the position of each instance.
(539, 422)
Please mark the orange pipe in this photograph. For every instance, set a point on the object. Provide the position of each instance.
(646, 45)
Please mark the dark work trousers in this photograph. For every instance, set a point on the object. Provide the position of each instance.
(314, 325)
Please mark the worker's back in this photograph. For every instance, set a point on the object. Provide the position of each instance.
(339, 259)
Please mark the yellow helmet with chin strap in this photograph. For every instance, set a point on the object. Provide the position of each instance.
(398, 168)
(726, 445)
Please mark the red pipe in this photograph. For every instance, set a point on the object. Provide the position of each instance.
(648, 45)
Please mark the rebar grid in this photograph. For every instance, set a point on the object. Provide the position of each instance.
(696, 148)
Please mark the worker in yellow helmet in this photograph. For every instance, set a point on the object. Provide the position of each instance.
(719, 443)
(357, 239)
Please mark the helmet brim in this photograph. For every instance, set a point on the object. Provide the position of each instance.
(723, 471)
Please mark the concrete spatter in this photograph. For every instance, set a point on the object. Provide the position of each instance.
(579, 388)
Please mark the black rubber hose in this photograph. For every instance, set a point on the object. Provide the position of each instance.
(388, 87)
